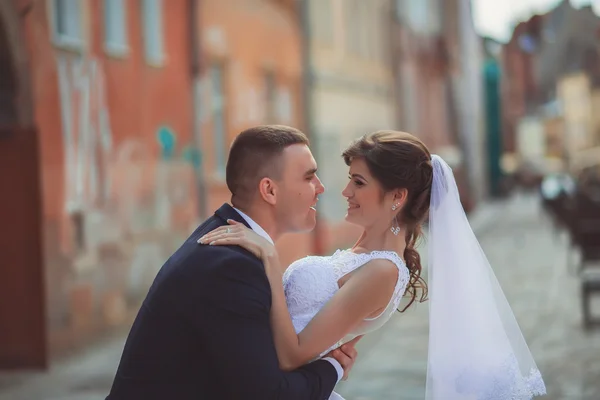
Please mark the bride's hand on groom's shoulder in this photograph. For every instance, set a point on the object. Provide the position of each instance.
(237, 234)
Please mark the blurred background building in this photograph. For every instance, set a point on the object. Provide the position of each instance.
(552, 69)
(116, 117)
(349, 92)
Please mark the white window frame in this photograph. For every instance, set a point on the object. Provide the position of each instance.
(115, 27)
(69, 36)
(153, 31)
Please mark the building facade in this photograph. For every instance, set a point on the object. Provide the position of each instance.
(466, 80)
(112, 98)
(519, 86)
(431, 77)
(551, 67)
(251, 56)
(351, 93)
(125, 111)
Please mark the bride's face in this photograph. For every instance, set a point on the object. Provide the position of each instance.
(364, 195)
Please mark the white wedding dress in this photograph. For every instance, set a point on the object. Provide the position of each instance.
(310, 282)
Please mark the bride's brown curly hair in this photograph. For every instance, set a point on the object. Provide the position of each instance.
(399, 160)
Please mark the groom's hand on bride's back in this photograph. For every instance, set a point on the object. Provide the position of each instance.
(346, 355)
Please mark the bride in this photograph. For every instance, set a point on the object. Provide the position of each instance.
(476, 349)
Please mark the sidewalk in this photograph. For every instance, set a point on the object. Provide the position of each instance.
(85, 376)
(89, 375)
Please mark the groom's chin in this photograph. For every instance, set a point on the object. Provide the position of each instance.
(309, 225)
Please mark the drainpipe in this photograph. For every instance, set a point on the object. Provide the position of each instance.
(307, 72)
(307, 107)
(196, 75)
(396, 51)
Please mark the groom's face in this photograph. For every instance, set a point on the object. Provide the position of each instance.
(298, 190)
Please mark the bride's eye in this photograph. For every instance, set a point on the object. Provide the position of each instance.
(356, 181)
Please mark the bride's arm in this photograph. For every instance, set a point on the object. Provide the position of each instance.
(367, 291)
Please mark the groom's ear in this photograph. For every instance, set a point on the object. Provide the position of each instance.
(267, 190)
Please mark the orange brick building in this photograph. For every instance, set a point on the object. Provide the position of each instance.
(252, 74)
(114, 138)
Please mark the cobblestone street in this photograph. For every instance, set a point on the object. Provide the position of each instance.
(530, 261)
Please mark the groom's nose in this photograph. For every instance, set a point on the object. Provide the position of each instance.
(320, 186)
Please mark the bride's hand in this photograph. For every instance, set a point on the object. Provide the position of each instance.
(237, 234)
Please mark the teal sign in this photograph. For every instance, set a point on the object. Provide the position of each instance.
(167, 141)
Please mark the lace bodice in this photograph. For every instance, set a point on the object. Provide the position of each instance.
(310, 282)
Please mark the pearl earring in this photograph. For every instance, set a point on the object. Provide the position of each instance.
(394, 207)
(395, 229)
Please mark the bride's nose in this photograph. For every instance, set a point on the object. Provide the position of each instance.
(347, 192)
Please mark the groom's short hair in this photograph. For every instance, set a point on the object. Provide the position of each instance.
(255, 154)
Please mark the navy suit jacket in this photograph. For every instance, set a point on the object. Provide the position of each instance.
(203, 332)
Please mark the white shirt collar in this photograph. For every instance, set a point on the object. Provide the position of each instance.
(255, 227)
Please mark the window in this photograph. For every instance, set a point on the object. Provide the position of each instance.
(419, 15)
(153, 31)
(353, 27)
(409, 105)
(369, 26)
(270, 85)
(218, 117)
(322, 20)
(78, 221)
(115, 26)
(330, 170)
(66, 23)
(381, 48)
(284, 106)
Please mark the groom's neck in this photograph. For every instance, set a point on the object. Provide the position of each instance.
(263, 218)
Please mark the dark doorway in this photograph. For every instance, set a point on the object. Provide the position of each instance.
(22, 312)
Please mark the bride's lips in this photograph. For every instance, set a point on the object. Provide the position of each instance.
(352, 206)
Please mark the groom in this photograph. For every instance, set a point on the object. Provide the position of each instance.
(203, 331)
